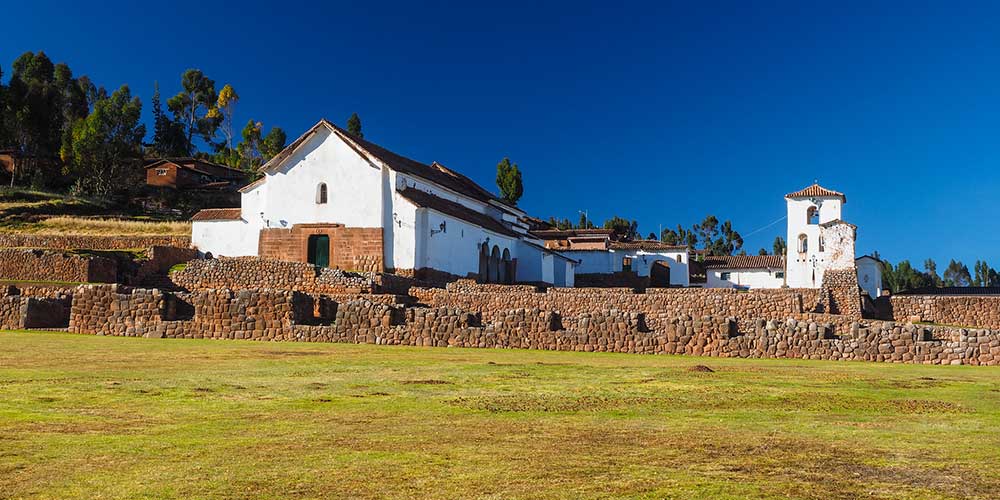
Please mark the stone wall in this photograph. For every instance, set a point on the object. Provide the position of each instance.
(284, 315)
(840, 293)
(73, 242)
(978, 311)
(255, 273)
(571, 302)
(159, 260)
(20, 311)
(351, 248)
(48, 265)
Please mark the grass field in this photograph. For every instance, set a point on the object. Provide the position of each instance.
(110, 417)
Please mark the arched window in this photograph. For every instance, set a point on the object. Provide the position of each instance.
(321, 193)
(813, 215)
(803, 243)
(822, 245)
(680, 258)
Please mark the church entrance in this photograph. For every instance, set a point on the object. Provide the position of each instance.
(659, 274)
(319, 250)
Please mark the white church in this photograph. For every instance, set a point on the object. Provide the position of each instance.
(336, 200)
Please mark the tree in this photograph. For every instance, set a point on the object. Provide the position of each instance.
(982, 274)
(762, 251)
(560, 224)
(509, 181)
(273, 143)
(168, 136)
(354, 126)
(679, 237)
(107, 144)
(651, 236)
(192, 108)
(623, 228)
(34, 116)
(707, 231)
(930, 267)
(225, 107)
(255, 150)
(779, 247)
(957, 274)
(728, 243)
(585, 223)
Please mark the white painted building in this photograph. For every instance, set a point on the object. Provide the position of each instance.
(870, 275)
(334, 199)
(744, 271)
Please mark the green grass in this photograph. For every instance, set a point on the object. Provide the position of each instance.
(176, 268)
(110, 417)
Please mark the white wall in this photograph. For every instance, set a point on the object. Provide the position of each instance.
(801, 266)
(456, 250)
(870, 276)
(354, 187)
(610, 261)
(594, 261)
(229, 238)
(753, 278)
(400, 231)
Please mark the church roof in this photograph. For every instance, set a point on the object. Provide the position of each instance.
(648, 245)
(217, 214)
(744, 262)
(816, 190)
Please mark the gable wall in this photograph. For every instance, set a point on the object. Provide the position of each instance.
(354, 187)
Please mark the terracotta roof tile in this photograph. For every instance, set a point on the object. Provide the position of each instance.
(424, 199)
(816, 190)
(252, 185)
(218, 214)
(644, 245)
(744, 262)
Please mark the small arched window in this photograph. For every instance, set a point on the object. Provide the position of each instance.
(680, 259)
(813, 215)
(321, 193)
(803, 243)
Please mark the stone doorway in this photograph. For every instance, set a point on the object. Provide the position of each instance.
(319, 250)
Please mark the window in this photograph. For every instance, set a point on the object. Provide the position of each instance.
(161, 171)
(803, 243)
(321, 193)
(680, 258)
(821, 244)
(779, 274)
(813, 215)
(627, 264)
(725, 276)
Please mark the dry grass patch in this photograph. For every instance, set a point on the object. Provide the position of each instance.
(104, 227)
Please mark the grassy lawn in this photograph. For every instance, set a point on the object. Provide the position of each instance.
(110, 417)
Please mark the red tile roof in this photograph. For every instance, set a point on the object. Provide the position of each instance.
(424, 199)
(217, 214)
(744, 262)
(645, 245)
(252, 185)
(816, 190)
(553, 234)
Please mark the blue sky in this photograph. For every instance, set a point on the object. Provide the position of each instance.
(661, 112)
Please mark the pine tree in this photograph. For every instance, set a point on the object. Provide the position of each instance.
(509, 181)
(354, 126)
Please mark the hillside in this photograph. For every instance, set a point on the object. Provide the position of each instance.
(37, 212)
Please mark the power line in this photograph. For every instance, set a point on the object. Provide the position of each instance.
(755, 231)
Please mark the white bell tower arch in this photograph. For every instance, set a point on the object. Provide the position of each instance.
(806, 256)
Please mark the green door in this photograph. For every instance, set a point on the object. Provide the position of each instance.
(319, 250)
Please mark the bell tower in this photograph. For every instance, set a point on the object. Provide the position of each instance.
(807, 256)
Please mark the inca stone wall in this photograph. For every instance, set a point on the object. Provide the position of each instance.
(288, 316)
(21, 311)
(571, 302)
(70, 242)
(840, 293)
(256, 273)
(982, 311)
(48, 265)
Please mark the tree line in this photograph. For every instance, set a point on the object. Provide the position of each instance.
(903, 276)
(67, 132)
